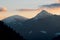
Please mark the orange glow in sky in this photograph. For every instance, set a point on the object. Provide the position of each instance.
(29, 14)
(54, 10)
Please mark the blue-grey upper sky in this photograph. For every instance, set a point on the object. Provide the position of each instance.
(17, 4)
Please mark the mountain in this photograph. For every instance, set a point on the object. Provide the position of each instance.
(15, 22)
(15, 18)
(8, 33)
(42, 14)
(43, 28)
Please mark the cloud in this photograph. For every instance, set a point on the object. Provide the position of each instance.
(58, 1)
(52, 5)
(52, 8)
(2, 9)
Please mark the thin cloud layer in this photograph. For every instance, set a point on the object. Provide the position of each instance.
(52, 5)
(3, 9)
(58, 1)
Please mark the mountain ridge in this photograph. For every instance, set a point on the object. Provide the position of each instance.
(38, 29)
(43, 14)
(15, 17)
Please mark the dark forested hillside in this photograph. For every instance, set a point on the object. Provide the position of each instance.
(56, 38)
(7, 33)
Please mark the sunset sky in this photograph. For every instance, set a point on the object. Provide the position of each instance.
(17, 4)
(12, 5)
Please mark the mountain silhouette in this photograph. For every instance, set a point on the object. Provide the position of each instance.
(43, 26)
(14, 18)
(15, 22)
(42, 14)
(6, 33)
(49, 25)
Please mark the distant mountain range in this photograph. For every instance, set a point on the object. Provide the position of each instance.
(43, 26)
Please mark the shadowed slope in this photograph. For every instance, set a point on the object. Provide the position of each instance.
(56, 38)
(8, 33)
(48, 24)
